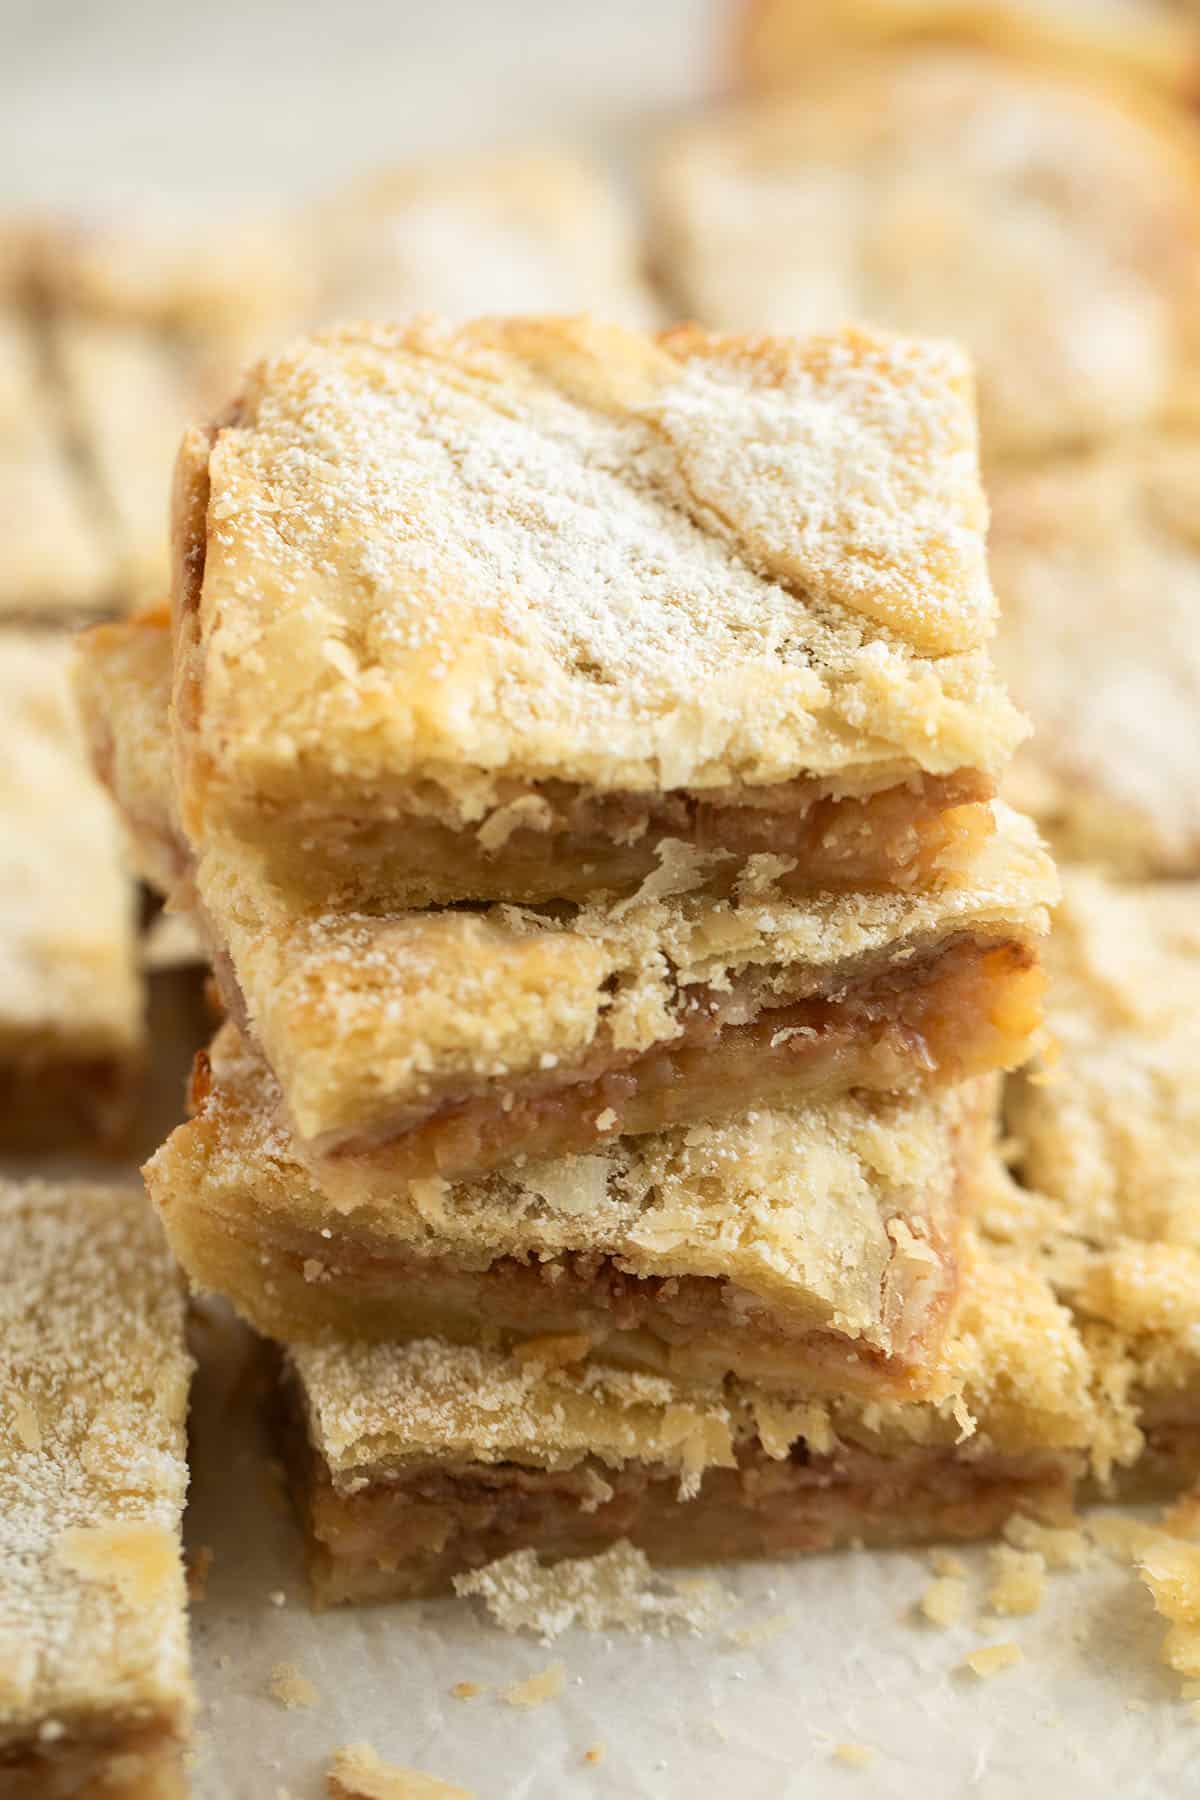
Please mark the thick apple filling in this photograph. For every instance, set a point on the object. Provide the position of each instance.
(554, 842)
(961, 1011)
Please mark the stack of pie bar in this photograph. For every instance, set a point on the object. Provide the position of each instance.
(577, 748)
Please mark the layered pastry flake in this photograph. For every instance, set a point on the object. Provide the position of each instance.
(1096, 561)
(1107, 1140)
(814, 1248)
(95, 1693)
(70, 998)
(1048, 224)
(506, 611)
(444, 1042)
(412, 1463)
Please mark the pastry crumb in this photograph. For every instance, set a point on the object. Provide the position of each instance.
(199, 1564)
(989, 1659)
(944, 1562)
(617, 1588)
(1018, 1581)
(944, 1601)
(762, 1631)
(1170, 1569)
(1121, 1538)
(357, 1772)
(854, 1756)
(1060, 1546)
(277, 1597)
(466, 1690)
(594, 1753)
(535, 1690)
(292, 1689)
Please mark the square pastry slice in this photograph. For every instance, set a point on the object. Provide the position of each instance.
(412, 1463)
(1096, 560)
(95, 1693)
(444, 1043)
(506, 610)
(1050, 225)
(777, 40)
(813, 1248)
(71, 1033)
(1107, 1141)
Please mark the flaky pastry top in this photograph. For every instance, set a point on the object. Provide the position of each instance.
(94, 1378)
(419, 564)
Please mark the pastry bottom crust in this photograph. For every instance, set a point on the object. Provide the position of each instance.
(407, 1535)
(554, 842)
(139, 1763)
(965, 1010)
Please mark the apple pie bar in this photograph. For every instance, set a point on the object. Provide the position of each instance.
(1107, 1141)
(95, 1692)
(414, 1462)
(1096, 560)
(814, 1248)
(446, 1042)
(1048, 223)
(778, 40)
(70, 997)
(509, 611)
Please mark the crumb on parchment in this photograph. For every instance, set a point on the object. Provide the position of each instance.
(989, 1659)
(535, 1690)
(357, 1772)
(292, 1689)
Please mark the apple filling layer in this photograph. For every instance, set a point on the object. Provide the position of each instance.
(295, 1285)
(555, 842)
(399, 1534)
(965, 1009)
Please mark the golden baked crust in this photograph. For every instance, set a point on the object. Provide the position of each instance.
(94, 1376)
(415, 1461)
(1108, 1140)
(776, 40)
(1096, 561)
(1050, 224)
(70, 1000)
(815, 1247)
(674, 562)
(55, 564)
